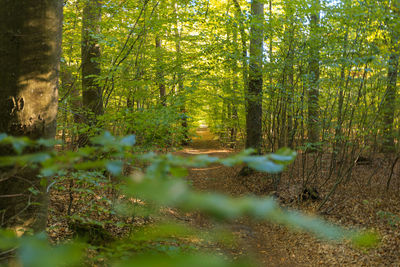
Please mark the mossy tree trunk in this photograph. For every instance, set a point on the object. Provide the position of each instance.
(30, 49)
(92, 98)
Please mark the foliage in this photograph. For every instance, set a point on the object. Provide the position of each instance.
(161, 184)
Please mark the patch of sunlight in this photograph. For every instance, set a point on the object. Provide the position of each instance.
(206, 151)
(206, 169)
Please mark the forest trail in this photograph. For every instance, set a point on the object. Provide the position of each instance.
(271, 245)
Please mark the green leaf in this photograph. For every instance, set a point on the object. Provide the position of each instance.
(36, 158)
(115, 167)
(37, 252)
(8, 239)
(285, 155)
(179, 172)
(49, 171)
(47, 142)
(203, 160)
(261, 163)
(129, 140)
(2, 136)
(281, 158)
(8, 161)
(105, 140)
(259, 208)
(217, 205)
(19, 145)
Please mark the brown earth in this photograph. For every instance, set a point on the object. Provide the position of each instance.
(355, 204)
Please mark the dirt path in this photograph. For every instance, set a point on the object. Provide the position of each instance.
(271, 245)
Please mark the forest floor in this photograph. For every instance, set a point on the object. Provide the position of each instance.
(354, 205)
(362, 201)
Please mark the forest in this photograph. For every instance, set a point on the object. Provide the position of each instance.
(199, 133)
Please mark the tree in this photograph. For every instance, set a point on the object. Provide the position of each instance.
(179, 74)
(240, 17)
(253, 93)
(389, 101)
(159, 71)
(90, 53)
(313, 91)
(30, 49)
(287, 131)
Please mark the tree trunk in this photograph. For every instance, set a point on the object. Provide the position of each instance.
(235, 84)
(159, 71)
(389, 103)
(92, 99)
(313, 91)
(254, 90)
(338, 129)
(181, 89)
(239, 16)
(30, 49)
(91, 91)
(289, 68)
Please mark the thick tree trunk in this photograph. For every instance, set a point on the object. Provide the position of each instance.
(92, 98)
(30, 49)
(254, 90)
(90, 53)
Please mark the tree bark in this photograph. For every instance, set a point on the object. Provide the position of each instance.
(92, 98)
(389, 104)
(254, 90)
(30, 49)
(90, 52)
(313, 91)
(287, 132)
